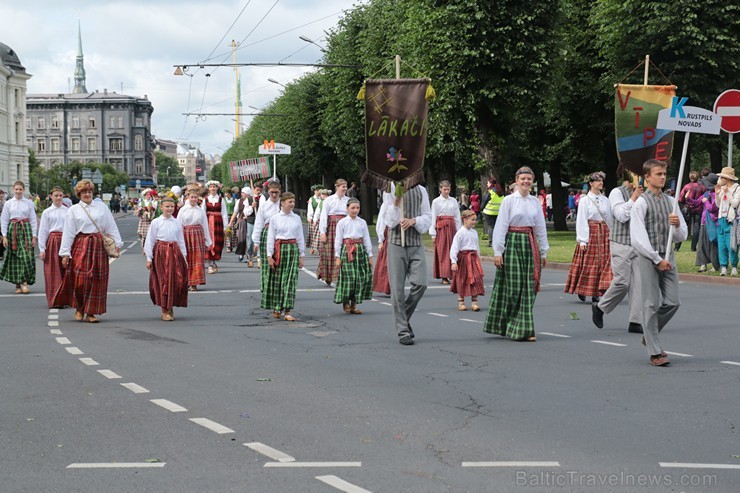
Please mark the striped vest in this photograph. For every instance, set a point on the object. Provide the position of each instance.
(620, 232)
(411, 208)
(656, 220)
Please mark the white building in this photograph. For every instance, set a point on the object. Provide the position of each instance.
(13, 148)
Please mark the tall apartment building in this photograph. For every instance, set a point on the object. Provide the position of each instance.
(192, 161)
(13, 149)
(92, 127)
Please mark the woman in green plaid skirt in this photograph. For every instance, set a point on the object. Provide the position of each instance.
(519, 257)
(18, 227)
(354, 260)
(286, 248)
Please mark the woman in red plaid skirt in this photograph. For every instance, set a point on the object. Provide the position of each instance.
(445, 223)
(217, 219)
(197, 237)
(467, 272)
(166, 260)
(83, 252)
(381, 283)
(58, 293)
(591, 271)
(334, 208)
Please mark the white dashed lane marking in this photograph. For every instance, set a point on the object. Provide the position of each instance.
(89, 361)
(341, 484)
(683, 355)
(735, 363)
(135, 388)
(470, 320)
(115, 465)
(313, 464)
(695, 465)
(169, 405)
(511, 464)
(438, 315)
(212, 425)
(552, 334)
(63, 340)
(610, 343)
(109, 374)
(73, 350)
(270, 452)
(57, 332)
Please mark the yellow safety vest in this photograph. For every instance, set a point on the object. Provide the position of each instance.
(493, 205)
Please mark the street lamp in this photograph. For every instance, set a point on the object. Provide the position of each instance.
(276, 82)
(233, 138)
(309, 40)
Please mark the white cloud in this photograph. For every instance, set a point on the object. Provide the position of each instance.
(134, 45)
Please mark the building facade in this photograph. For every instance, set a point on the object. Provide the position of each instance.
(13, 148)
(92, 127)
(192, 161)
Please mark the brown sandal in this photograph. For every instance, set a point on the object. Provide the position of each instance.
(290, 318)
(461, 305)
(91, 319)
(659, 360)
(475, 307)
(79, 316)
(355, 311)
(276, 315)
(531, 339)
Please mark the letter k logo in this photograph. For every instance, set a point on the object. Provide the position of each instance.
(677, 106)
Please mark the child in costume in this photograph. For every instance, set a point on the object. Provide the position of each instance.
(354, 260)
(467, 272)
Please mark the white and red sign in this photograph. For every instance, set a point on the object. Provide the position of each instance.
(727, 106)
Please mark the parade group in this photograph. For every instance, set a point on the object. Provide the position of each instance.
(622, 247)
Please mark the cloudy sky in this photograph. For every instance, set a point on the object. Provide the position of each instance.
(130, 47)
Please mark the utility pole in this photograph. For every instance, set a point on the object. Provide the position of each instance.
(238, 102)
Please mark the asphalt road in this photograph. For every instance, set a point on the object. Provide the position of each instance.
(333, 402)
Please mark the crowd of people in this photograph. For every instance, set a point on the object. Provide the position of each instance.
(622, 246)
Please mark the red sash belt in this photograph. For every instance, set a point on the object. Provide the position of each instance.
(351, 247)
(475, 271)
(278, 242)
(171, 251)
(444, 222)
(529, 231)
(15, 224)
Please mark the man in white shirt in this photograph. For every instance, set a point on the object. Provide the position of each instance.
(653, 214)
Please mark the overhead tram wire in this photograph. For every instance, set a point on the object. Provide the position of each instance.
(227, 31)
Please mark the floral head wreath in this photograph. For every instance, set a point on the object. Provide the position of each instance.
(213, 182)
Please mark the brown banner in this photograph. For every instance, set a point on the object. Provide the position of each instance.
(395, 131)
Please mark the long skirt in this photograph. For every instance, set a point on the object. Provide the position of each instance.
(707, 251)
(280, 291)
(195, 244)
(311, 235)
(315, 236)
(327, 268)
(445, 228)
(89, 273)
(468, 279)
(241, 238)
(355, 281)
(590, 272)
(514, 291)
(216, 228)
(19, 265)
(168, 278)
(266, 273)
(144, 222)
(58, 282)
(381, 284)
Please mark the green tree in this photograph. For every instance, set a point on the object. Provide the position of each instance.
(169, 172)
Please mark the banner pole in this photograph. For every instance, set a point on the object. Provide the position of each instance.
(647, 67)
(675, 210)
(274, 166)
(398, 76)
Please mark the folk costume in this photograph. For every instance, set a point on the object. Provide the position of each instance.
(626, 275)
(519, 236)
(465, 252)
(590, 271)
(148, 208)
(197, 241)
(707, 248)
(445, 223)
(217, 219)
(230, 236)
(408, 261)
(58, 285)
(168, 278)
(267, 209)
(334, 209)
(728, 201)
(18, 224)
(649, 229)
(242, 213)
(88, 262)
(355, 281)
(316, 239)
(313, 226)
(286, 244)
(380, 272)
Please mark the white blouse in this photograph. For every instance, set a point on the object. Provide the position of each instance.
(333, 206)
(52, 220)
(213, 199)
(246, 212)
(317, 212)
(163, 229)
(380, 224)
(18, 209)
(592, 207)
(266, 210)
(77, 221)
(444, 207)
(465, 239)
(355, 229)
(190, 216)
(517, 210)
(392, 215)
(285, 227)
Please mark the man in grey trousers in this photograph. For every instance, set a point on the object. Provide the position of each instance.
(408, 261)
(624, 261)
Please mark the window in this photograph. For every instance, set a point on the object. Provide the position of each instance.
(75, 121)
(139, 166)
(54, 121)
(28, 123)
(92, 144)
(120, 121)
(139, 142)
(75, 144)
(139, 122)
(54, 145)
(115, 144)
(41, 123)
(112, 121)
(91, 122)
(41, 146)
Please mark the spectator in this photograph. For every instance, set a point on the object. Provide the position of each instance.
(490, 208)
(690, 200)
(548, 204)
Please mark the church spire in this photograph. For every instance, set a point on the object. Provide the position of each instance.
(80, 66)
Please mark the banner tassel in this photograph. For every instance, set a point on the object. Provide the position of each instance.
(431, 93)
(361, 94)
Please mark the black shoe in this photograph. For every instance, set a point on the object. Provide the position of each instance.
(241, 258)
(581, 297)
(595, 299)
(406, 340)
(635, 328)
(597, 315)
(411, 331)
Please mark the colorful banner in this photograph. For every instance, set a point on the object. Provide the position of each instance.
(249, 169)
(636, 110)
(395, 131)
